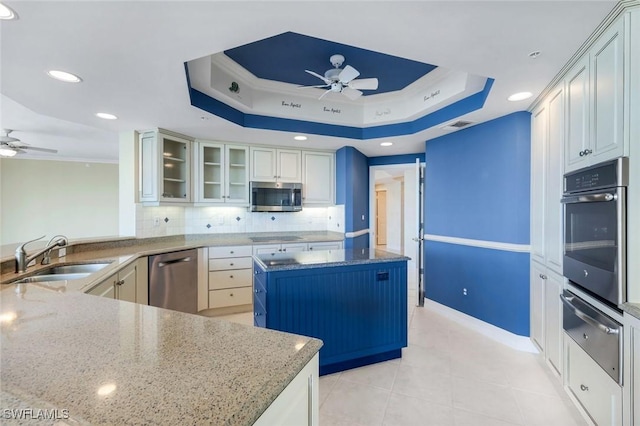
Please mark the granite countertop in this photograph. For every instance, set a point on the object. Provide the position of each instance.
(65, 350)
(325, 258)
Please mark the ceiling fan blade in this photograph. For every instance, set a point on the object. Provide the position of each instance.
(315, 74)
(35, 148)
(364, 84)
(323, 95)
(312, 87)
(348, 74)
(351, 93)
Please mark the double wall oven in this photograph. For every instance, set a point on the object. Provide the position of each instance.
(594, 261)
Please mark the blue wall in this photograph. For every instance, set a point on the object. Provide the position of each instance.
(396, 159)
(477, 187)
(352, 190)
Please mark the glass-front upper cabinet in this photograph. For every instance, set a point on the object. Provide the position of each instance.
(223, 173)
(165, 167)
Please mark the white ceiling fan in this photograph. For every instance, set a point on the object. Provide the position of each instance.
(344, 80)
(10, 146)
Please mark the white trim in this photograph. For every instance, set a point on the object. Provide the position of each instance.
(356, 233)
(514, 341)
(518, 248)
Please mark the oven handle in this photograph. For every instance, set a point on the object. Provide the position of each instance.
(586, 318)
(590, 198)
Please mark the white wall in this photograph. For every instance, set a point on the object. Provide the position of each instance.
(40, 197)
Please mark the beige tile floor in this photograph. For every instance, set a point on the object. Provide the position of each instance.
(448, 375)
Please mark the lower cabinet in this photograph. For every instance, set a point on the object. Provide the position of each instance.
(631, 370)
(230, 279)
(128, 284)
(595, 390)
(325, 245)
(279, 248)
(546, 313)
(298, 402)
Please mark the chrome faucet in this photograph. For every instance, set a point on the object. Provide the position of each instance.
(22, 260)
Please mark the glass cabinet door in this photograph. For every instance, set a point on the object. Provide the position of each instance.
(211, 175)
(237, 174)
(175, 169)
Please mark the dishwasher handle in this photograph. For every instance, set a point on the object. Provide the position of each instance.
(171, 262)
(587, 318)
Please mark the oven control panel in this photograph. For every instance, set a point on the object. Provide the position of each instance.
(605, 175)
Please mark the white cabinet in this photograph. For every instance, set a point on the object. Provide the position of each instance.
(164, 167)
(121, 285)
(595, 102)
(539, 138)
(537, 300)
(318, 178)
(222, 173)
(595, 390)
(275, 165)
(298, 403)
(631, 380)
(553, 285)
(230, 279)
(325, 245)
(279, 248)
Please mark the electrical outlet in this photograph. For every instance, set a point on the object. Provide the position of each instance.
(156, 221)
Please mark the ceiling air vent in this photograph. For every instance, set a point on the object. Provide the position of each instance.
(457, 124)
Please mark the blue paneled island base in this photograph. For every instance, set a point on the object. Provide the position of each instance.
(354, 300)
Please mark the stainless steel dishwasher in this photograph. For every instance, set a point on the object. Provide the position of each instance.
(173, 281)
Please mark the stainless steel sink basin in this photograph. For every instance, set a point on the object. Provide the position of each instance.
(63, 273)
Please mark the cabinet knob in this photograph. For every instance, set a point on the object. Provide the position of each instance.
(231, 264)
(231, 252)
(582, 154)
(258, 314)
(231, 294)
(256, 291)
(584, 388)
(230, 276)
(284, 249)
(588, 151)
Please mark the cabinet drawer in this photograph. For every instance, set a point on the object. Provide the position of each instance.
(230, 297)
(230, 263)
(230, 251)
(598, 393)
(230, 279)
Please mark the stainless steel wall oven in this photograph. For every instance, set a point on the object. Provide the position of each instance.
(595, 230)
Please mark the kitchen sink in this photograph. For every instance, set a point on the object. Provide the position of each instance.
(63, 273)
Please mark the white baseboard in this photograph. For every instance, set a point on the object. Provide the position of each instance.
(520, 343)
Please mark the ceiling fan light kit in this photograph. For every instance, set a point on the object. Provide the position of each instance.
(10, 146)
(343, 80)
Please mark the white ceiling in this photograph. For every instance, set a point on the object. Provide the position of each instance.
(131, 55)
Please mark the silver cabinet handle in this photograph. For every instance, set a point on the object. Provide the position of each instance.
(584, 388)
(586, 318)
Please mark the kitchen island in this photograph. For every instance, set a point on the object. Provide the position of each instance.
(354, 300)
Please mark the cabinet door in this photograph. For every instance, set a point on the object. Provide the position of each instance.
(266, 249)
(293, 247)
(318, 181)
(553, 320)
(210, 177)
(635, 375)
(328, 245)
(148, 167)
(176, 170)
(289, 165)
(126, 284)
(577, 84)
(237, 174)
(106, 288)
(538, 179)
(263, 164)
(607, 75)
(553, 209)
(537, 304)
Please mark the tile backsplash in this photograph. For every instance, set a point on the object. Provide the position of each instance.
(163, 221)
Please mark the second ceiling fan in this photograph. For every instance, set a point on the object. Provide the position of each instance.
(344, 80)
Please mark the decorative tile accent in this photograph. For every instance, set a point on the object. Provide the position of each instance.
(166, 220)
(238, 218)
(208, 225)
(273, 218)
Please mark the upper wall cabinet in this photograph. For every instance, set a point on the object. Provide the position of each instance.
(222, 173)
(318, 183)
(165, 167)
(595, 101)
(275, 165)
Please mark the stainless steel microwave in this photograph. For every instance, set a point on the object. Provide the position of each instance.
(276, 197)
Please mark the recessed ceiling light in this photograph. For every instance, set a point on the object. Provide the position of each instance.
(386, 144)
(67, 77)
(106, 116)
(300, 138)
(7, 13)
(520, 96)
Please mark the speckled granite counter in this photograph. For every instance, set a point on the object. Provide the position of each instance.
(112, 362)
(325, 258)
